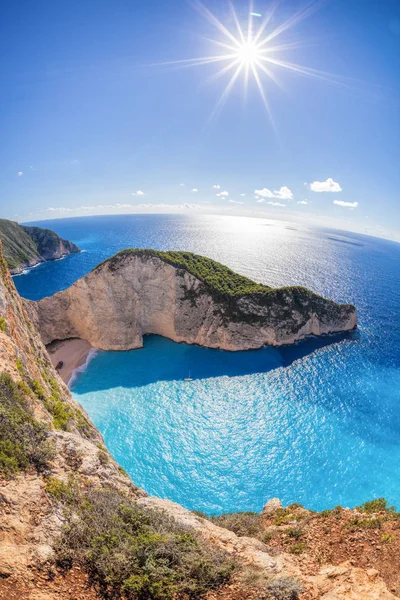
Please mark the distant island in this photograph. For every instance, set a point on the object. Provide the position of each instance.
(25, 246)
(186, 298)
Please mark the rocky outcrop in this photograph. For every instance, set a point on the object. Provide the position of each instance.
(25, 246)
(185, 298)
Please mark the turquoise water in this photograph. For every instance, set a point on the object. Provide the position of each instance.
(316, 423)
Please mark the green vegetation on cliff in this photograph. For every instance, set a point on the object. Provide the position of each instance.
(227, 286)
(26, 246)
(133, 552)
(212, 273)
(23, 440)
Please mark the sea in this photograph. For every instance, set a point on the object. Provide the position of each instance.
(316, 423)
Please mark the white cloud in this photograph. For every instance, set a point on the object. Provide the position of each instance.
(346, 204)
(59, 209)
(138, 193)
(275, 203)
(20, 173)
(302, 202)
(217, 187)
(235, 202)
(223, 194)
(195, 190)
(182, 184)
(260, 200)
(284, 193)
(325, 186)
(243, 194)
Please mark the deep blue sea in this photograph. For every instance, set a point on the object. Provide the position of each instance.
(316, 423)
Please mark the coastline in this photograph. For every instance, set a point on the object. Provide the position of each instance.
(73, 352)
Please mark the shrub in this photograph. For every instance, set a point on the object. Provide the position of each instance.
(38, 389)
(283, 516)
(136, 553)
(61, 415)
(23, 440)
(298, 548)
(283, 588)
(375, 506)
(387, 538)
(372, 523)
(242, 523)
(295, 532)
(61, 491)
(3, 325)
(103, 457)
(20, 367)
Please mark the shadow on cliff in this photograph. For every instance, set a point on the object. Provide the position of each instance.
(161, 359)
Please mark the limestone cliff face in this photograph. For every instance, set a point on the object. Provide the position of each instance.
(141, 293)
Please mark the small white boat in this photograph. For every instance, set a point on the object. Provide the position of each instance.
(188, 378)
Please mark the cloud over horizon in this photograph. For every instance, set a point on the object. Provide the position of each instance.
(325, 186)
(345, 204)
(284, 193)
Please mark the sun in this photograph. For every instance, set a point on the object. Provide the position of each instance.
(248, 54)
(249, 50)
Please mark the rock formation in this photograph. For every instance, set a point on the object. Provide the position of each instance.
(186, 298)
(25, 246)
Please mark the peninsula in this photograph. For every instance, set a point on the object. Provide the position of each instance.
(186, 298)
(25, 246)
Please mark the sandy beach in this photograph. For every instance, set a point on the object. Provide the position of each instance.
(73, 353)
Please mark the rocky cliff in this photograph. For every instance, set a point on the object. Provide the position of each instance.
(74, 526)
(186, 298)
(25, 246)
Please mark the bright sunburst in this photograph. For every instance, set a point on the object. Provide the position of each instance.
(249, 51)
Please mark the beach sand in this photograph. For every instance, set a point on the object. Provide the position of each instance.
(73, 353)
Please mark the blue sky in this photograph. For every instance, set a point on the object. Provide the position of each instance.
(88, 117)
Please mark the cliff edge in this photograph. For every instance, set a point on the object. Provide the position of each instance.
(186, 298)
(25, 246)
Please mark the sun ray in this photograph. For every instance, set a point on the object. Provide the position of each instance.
(271, 75)
(194, 62)
(266, 20)
(309, 72)
(238, 27)
(250, 22)
(299, 16)
(223, 71)
(226, 93)
(264, 98)
(199, 6)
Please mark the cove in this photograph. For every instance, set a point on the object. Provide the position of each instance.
(248, 427)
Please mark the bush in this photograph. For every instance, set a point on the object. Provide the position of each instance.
(298, 548)
(135, 553)
(242, 523)
(375, 506)
(283, 588)
(23, 440)
(38, 389)
(3, 325)
(61, 491)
